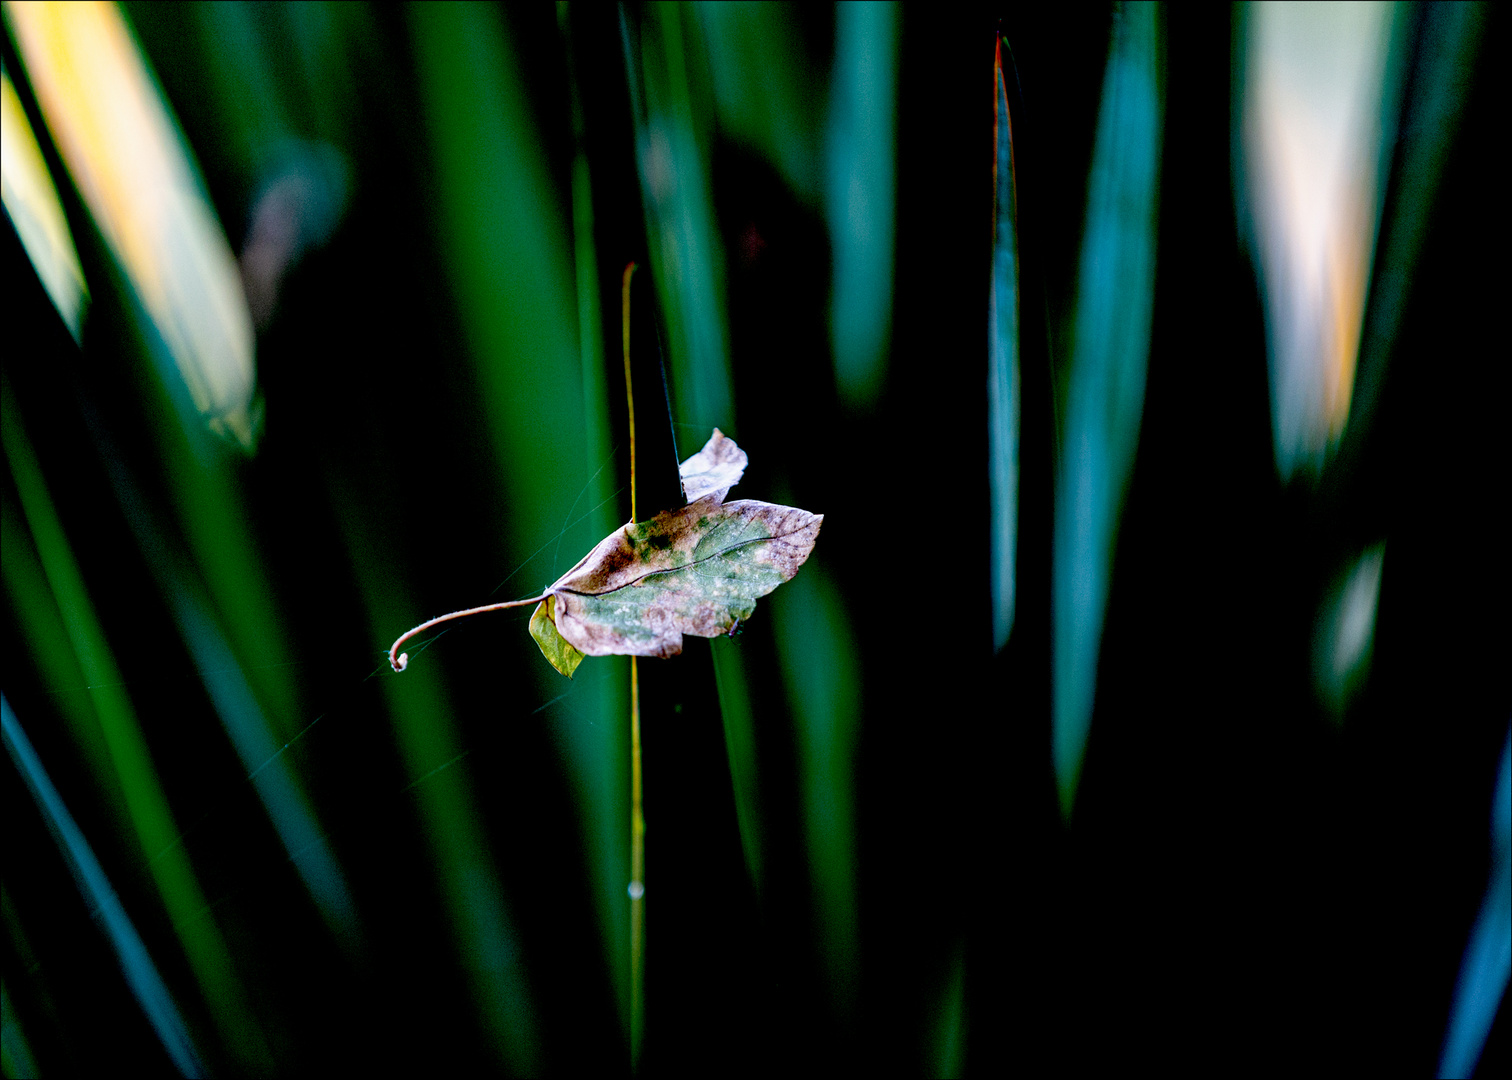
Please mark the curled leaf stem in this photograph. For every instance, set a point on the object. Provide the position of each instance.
(400, 661)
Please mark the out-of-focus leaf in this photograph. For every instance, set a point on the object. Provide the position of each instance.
(1346, 631)
(1003, 366)
(859, 194)
(34, 209)
(296, 208)
(113, 131)
(136, 962)
(1320, 96)
(1105, 392)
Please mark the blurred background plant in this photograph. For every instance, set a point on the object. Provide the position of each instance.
(1175, 328)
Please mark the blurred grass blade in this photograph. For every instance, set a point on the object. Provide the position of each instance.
(508, 252)
(34, 209)
(948, 1049)
(136, 963)
(817, 652)
(16, 1057)
(114, 133)
(1105, 389)
(860, 184)
(48, 646)
(236, 705)
(1448, 43)
(271, 774)
(766, 95)
(590, 320)
(1487, 966)
(482, 925)
(599, 746)
(687, 260)
(1003, 365)
(1319, 113)
(740, 745)
(146, 802)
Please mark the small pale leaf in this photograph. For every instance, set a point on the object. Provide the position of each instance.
(716, 468)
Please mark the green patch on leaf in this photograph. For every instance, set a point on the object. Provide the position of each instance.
(554, 647)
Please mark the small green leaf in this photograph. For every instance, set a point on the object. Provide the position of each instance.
(554, 647)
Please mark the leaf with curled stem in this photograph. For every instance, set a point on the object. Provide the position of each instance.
(698, 569)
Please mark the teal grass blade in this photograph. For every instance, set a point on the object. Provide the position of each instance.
(1487, 965)
(860, 196)
(1003, 366)
(130, 758)
(1105, 388)
(136, 962)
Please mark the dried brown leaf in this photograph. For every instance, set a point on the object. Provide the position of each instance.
(698, 569)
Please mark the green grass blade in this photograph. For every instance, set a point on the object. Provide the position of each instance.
(817, 652)
(509, 250)
(599, 747)
(686, 256)
(482, 927)
(16, 1058)
(766, 94)
(740, 745)
(146, 802)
